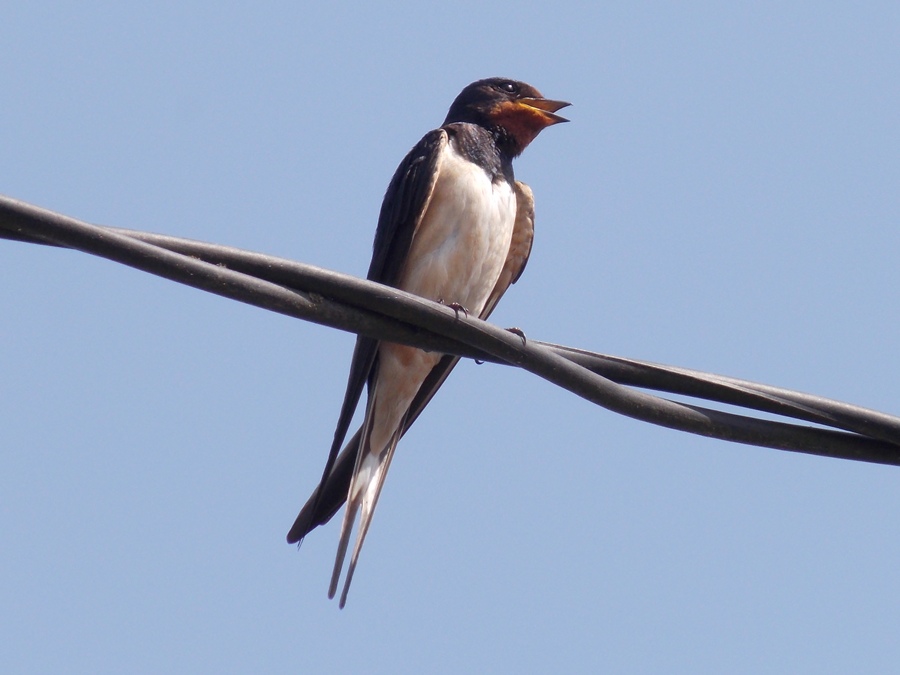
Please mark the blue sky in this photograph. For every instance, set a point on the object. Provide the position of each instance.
(725, 198)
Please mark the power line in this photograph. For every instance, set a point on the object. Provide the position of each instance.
(356, 305)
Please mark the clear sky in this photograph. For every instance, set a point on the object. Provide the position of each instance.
(726, 198)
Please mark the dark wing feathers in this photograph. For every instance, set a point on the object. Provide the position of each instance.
(320, 508)
(519, 247)
(404, 204)
(332, 491)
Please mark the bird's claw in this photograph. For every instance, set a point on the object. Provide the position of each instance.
(515, 331)
(456, 307)
(518, 331)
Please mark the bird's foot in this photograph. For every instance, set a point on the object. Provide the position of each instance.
(518, 331)
(456, 307)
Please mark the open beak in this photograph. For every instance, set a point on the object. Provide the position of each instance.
(547, 107)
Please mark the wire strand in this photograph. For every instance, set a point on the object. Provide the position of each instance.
(345, 302)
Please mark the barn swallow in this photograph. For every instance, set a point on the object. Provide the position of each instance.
(455, 227)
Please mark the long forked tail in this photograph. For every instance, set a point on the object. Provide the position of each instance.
(365, 487)
(324, 504)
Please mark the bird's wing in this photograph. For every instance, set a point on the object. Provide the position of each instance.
(405, 202)
(332, 492)
(519, 247)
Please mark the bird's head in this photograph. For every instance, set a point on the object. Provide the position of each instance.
(514, 111)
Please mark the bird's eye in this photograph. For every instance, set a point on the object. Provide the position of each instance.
(509, 87)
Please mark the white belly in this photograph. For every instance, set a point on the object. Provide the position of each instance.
(456, 255)
(461, 245)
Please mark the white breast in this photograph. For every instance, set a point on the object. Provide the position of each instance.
(456, 255)
(460, 247)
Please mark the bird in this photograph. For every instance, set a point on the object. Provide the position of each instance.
(455, 227)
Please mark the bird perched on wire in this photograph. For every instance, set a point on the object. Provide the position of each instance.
(455, 227)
